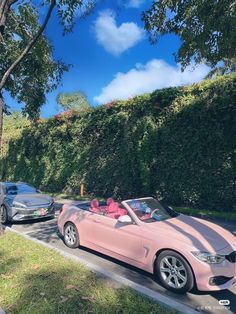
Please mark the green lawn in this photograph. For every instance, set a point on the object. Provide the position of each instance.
(34, 279)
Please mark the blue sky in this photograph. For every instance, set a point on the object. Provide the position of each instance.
(112, 57)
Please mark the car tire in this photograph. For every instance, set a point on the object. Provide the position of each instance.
(71, 236)
(174, 272)
(3, 215)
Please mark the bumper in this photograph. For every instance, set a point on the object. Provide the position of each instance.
(214, 277)
(35, 213)
(209, 287)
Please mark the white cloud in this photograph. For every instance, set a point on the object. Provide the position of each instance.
(148, 77)
(134, 3)
(116, 39)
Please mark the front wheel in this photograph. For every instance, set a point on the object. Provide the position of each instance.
(174, 272)
(3, 215)
(71, 236)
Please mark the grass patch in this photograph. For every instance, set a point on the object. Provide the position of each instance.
(34, 279)
(230, 216)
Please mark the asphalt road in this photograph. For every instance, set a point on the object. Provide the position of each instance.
(46, 231)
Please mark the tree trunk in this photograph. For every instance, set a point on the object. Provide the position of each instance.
(5, 6)
(1, 119)
(31, 43)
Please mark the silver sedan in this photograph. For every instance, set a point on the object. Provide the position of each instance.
(20, 201)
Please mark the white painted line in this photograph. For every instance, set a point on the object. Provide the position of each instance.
(166, 301)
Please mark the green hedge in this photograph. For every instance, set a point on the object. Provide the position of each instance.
(177, 143)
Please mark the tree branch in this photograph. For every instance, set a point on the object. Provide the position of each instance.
(29, 46)
(4, 10)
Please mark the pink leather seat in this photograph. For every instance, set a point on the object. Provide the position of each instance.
(122, 211)
(110, 200)
(113, 209)
(94, 206)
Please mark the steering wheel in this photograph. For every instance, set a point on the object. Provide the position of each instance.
(155, 210)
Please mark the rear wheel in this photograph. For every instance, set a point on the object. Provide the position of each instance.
(71, 235)
(3, 215)
(174, 272)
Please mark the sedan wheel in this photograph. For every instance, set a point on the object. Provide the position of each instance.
(71, 236)
(3, 215)
(174, 272)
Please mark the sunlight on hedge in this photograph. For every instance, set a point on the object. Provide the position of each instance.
(176, 143)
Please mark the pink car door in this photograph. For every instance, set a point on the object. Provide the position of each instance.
(109, 234)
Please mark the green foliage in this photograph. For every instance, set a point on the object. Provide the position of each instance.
(28, 70)
(76, 101)
(38, 73)
(177, 144)
(68, 10)
(206, 28)
(13, 125)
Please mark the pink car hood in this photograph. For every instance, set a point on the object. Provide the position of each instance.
(200, 234)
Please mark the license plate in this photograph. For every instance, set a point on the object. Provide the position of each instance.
(41, 212)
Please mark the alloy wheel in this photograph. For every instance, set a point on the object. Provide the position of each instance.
(70, 235)
(173, 272)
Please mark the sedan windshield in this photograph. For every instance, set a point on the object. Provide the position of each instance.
(150, 210)
(19, 189)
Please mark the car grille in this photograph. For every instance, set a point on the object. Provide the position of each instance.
(231, 257)
(32, 211)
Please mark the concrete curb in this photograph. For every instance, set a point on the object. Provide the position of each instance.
(166, 301)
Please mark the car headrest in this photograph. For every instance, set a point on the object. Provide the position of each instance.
(94, 203)
(123, 211)
(109, 201)
(113, 207)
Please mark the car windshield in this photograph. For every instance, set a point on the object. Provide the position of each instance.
(16, 189)
(150, 210)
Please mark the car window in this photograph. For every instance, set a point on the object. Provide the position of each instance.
(20, 189)
(150, 210)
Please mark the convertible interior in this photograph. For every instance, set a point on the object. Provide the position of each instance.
(110, 208)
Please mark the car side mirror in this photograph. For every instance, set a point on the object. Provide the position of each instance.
(125, 219)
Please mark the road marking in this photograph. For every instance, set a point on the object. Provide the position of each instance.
(156, 296)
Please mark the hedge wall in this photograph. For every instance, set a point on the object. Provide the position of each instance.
(177, 143)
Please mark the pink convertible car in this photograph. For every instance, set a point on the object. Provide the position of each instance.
(181, 251)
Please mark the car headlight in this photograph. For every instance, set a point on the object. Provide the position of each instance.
(209, 257)
(18, 205)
